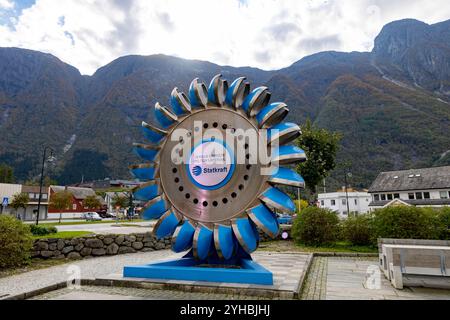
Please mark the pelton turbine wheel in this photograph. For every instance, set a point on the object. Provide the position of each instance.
(215, 207)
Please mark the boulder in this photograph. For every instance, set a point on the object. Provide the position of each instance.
(66, 250)
(86, 252)
(75, 241)
(94, 243)
(126, 250)
(74, 256)
(52, 246)
(42, 245)
(60, 244)
(112, 249)
(108, 241)
(160, 246)
(46, 254)
(98, 252)
(130, 238)
(79, 246)
(120, 239)
(137, 245)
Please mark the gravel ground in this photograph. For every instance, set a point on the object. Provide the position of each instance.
(89, 269)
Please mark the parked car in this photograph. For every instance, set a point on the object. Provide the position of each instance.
(284, 219)
(105, 214)
(92, 216)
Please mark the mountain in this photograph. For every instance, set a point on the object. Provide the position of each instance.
(391, 104)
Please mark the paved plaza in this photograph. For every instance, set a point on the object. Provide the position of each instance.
(329, 278)
(345, 278)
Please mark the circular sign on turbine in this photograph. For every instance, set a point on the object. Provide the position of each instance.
(205, 177)
(210, 165)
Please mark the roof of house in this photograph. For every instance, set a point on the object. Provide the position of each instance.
(423, 202)
(33, 189)
(414, 179)
(78, 193)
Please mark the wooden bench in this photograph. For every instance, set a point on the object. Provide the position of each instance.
(412, 265)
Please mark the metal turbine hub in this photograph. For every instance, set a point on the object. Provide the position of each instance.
(203, 179)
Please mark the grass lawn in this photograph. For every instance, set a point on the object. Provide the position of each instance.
(87, 222)
(64, 235)
(34, 264)
(340, 247)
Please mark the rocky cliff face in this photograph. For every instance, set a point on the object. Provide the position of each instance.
(419, 50)
(392, 104)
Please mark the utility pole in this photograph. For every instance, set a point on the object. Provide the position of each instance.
(41, 182)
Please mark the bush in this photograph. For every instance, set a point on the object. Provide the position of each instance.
(443, 221)
(315, 226)
(406, 223)
(358, 230)
(40, 230)
(15, 242)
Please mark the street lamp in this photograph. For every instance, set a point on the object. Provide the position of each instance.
(42, 181)
(346, 191)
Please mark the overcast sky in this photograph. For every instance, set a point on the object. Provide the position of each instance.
(268, 34)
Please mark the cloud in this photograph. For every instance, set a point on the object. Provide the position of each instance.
(6, 4)
(312, 45)
(166, 22)
(268, 34)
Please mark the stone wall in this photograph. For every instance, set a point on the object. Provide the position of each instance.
(97, 245)
(107, 245)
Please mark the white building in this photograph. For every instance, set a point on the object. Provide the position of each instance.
(7, 192)
(429, 187)
(358, 202)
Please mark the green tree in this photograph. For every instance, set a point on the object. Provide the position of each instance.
(119, 202)
(20, 200)
(320, 147)
(47, 182)
(6, 174)
(92, 202)
(61, 201)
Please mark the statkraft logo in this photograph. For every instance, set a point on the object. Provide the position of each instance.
(196, 171)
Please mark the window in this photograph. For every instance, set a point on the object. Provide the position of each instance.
(44, 196)
(443, 194)
(344, 202)
(376, 197)
(426, 195)
(383, 197)
(74, 207)
(419, 196)
(322, 203)
(333, 202)
(344, 213)
(389, 196)
(396, 196)
(411, 196)
(356, 202)
(31, 195)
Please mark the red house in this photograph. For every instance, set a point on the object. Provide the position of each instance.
(77, 208)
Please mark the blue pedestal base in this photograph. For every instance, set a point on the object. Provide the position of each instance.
(189, 269)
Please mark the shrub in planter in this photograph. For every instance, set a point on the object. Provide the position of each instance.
(15, 242)
(315, 226)
(405, 222)
(358, 230)
(40, 230)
